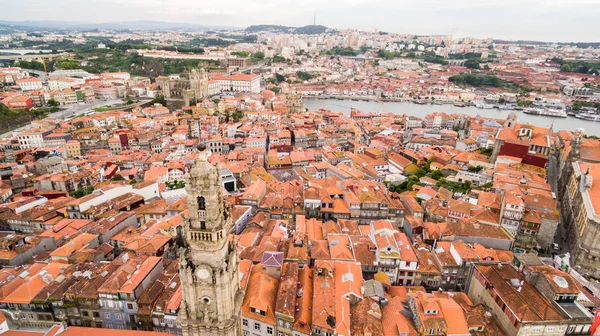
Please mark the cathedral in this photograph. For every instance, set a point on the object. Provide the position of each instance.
(184, 91)
(208, 260)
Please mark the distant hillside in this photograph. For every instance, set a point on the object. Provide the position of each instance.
(311, 29)
(123, 25)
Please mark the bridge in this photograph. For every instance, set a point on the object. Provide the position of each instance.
(24, 51)
(249, 69)
(33, 57)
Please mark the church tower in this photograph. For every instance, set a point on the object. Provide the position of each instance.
(208, 262)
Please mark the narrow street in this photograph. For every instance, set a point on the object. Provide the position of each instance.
(560, 237)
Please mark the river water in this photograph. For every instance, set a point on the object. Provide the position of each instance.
(569, 123)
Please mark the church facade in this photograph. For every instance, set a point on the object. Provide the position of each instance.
(184, 91)
(208, 269)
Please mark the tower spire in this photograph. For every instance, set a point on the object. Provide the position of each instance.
(208, 262)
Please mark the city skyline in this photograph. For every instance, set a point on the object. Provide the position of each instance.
(537, 19)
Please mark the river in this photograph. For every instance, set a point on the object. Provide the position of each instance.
(569, 123)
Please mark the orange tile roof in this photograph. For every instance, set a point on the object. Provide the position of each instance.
(78, 331)
(75, 244)
(261, 294)
(140, 274)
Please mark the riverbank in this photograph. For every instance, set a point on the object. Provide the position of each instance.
(384, 99)
(417, 110)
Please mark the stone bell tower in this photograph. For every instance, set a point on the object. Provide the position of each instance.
(208, 261)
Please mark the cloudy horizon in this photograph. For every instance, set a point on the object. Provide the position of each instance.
(543, 20)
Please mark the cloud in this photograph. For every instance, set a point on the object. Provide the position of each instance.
(511, 19)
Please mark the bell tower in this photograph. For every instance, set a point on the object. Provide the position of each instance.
(208, 262)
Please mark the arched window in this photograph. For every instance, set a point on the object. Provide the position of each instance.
(201, 203)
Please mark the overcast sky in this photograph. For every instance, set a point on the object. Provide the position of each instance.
(548, 20)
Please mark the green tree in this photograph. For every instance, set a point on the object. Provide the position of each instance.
(258, 56)
(486, 151)
(412, 180)
(304, 76)
(52, 102)
(342, 52)
(89, 190)
(437, 174)
(78, 193)
(68, 65)
(501, 100)
(474, 169)
(34, 65)
(276, 89)
(134, 181)
(472, 63)
(565, 68)
(420, 173)
(240, 53)
(279, 78)
(159, 100)
(387, 54)
(278, 59)
(117, 177)
(237, 116)
(583, 69)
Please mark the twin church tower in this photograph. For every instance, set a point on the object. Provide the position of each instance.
(208, 269)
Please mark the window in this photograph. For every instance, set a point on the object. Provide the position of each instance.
(269, 330)
(201, 203)
(245, 322)
(85, 313)
(96, 314)
(130, 306)
(256, 326)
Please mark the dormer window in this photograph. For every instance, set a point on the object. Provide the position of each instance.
(258, 311)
